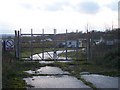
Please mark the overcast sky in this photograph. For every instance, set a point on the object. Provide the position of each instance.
(59, 14)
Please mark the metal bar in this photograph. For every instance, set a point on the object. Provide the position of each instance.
(66, 44)
(54, 53)
(88, 46)
(35, 47)
(36, 34)
(31, 48)
(20, 44)
(39, 56)
(91, 48)
(77, 43)
(42, 44)
(49, 55)
(16, 49)
(60, 53)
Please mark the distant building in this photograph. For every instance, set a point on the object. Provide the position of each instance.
(72, 44)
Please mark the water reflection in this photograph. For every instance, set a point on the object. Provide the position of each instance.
(48, 70)
(55, 82)
(49, 55)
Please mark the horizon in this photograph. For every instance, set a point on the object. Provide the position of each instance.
(76, 31)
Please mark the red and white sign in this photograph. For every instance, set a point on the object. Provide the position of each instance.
(9, 44)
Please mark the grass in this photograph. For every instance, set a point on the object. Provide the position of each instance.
(81, 65)
(74, 55)
(12, 73)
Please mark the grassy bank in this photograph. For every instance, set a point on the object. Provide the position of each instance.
(12, 73)
(105, 61)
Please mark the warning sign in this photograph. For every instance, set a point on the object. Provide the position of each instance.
(9, 44)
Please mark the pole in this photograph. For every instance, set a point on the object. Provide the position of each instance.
(31, 48)
(55, 53)
(91, 48)
(77, 45)
(42, 44)
(20, 43)
(66, 44)
(16, 49)
(88, 46)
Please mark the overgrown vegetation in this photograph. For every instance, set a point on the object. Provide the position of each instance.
(12, 73)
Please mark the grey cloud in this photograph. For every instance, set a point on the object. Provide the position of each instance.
(88, 7)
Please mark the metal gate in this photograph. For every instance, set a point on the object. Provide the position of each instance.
(37, 46)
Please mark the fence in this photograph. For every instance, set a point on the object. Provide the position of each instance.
(29, 45)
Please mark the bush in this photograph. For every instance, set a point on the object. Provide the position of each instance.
(112, 58)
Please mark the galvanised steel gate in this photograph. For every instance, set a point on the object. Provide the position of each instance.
(37, 46)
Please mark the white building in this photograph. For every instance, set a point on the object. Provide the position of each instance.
(73, 43)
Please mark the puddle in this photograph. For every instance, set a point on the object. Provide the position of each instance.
(63, 81)
(48, 62)
(48, 55)
(101, 81)
(48, 70)
(56, 78)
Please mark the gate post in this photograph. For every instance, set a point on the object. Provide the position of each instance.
(55, 53)
(66, 44)
(42, 44)
(20, 43)
(77, 45)
(16, 45)
(88, 46)
(31, 48)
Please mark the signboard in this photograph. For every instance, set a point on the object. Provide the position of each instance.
(9, 44)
